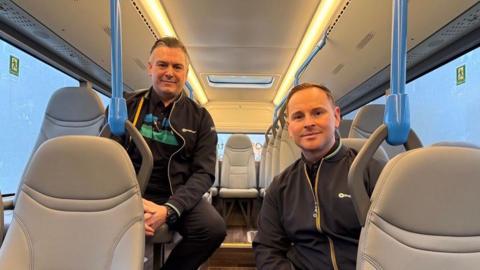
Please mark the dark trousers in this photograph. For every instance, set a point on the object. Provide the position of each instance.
(202, 230)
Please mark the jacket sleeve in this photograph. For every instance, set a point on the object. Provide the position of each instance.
(271, 243)
(203, 168)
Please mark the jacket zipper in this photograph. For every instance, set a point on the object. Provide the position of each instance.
(316, 213)
(183, 145)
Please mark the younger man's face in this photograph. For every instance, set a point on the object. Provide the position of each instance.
(312, 120)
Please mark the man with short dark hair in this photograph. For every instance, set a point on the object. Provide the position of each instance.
(307, 220)
(182, 138)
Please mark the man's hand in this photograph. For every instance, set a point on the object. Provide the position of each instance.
(154, 215)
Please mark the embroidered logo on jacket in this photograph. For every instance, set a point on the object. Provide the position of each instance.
(344, 195)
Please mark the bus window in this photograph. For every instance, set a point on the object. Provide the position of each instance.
(444, 102)
(26, 89)
(351, 115)
(104, 98)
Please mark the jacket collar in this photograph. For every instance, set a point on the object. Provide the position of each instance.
(337, 152)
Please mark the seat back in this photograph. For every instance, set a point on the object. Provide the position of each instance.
(357, 144)
(262, 169)
(424, 212)
(369, 118)
(275, 167)
(263, 184)
(344, 128)
(79, 207)
(71, 111)
(289, 151)
(238, 166)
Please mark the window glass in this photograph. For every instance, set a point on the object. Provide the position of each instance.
(351, 115)
(444, 103)
(257, 142)
(26, 85)
(105, 99)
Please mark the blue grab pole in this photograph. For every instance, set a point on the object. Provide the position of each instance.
(397, 114)
(117, 113)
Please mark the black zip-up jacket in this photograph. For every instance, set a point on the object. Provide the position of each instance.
(292, 234)
(191, 169)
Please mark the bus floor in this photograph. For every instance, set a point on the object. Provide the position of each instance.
(236, 252)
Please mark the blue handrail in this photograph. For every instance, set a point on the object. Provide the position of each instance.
(117, 112)
(309, 59)
(397, 114)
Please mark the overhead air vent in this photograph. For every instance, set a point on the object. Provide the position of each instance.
(365, 40)
(244, 81)
(140, 64)
(338, 68)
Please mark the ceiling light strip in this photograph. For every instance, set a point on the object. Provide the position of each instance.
(318, 25)
(160, 21)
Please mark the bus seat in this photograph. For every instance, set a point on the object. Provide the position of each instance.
(276, 155)
(289, 151)
(214, 188)
(357, 144)
(344, 128)
(262, 167)
(238, 175)
(424, 212)
(79, 207)
(70, 111)
(267, 169)
(369, 118)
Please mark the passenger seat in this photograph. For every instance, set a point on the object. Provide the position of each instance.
(238, 176)
(367, 120)
(70, 111)
(78, 207)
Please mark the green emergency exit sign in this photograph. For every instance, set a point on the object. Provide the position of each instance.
(461, 74)
(14, 65)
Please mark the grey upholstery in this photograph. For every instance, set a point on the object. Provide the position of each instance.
(344, 128)
(214, 188)
(238, 169)
(424, 212)
(289, 151)
(369, 118)
(357, 144)
(276, 155)
(262, 167)
(263, 184)
(79, 207)
(70, 111)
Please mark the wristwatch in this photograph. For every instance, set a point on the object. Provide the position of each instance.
(172, 217)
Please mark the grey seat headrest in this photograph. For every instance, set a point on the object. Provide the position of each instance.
(74, 104)
(239, 141)
(368, 118)
(431, 191)
(85, 166)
